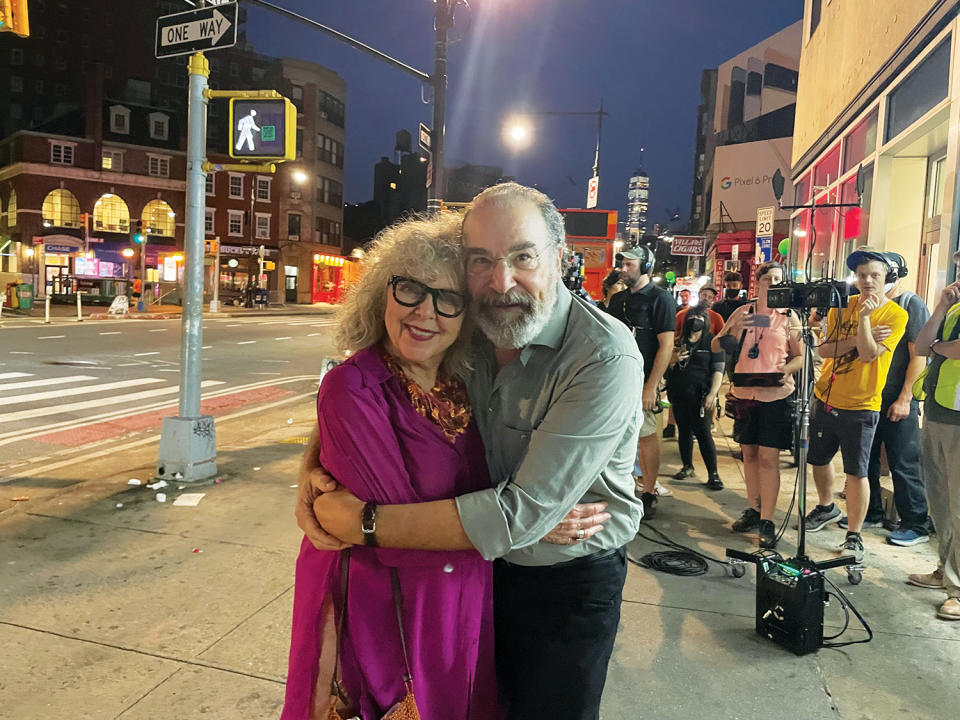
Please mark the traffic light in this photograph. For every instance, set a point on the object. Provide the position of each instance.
(14, 18)
(136, 232)
(263, 129)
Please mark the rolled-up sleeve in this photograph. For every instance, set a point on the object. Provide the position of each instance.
(576, 440)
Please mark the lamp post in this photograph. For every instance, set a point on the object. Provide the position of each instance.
(518, 130)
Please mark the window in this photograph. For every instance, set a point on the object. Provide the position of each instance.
(112, 160)
(38, 87)
(828, 169)
(814, 15)
(924, 87)
(293, 226)
(236, 185)
(60, 209)
(801, 191)
(119, 119)
(16, 111)
(61, 153)
(937, 173)
(60, 90)
(12, 210)
(299, 142)
(210, 187)
(235, 226)
(329, 150)
(263, 226)
(861, 142)
(329, 192)
(158, 165)
(208, 220)
(263, 188)
(159, 124)
(328, 231)
(38, 59)
(159, 219)
(234, 70)
(330, 108)
(297, 93)
(16, 58)
(16, 83)
(110, 213)
(61, 63)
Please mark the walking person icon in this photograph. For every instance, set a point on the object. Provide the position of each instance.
(245, 128)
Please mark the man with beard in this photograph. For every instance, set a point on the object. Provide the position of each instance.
(555, 436)
(649, 311)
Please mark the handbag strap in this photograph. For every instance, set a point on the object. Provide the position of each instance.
(398, 603)
(336, 686)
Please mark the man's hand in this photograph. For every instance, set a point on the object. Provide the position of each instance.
(950, 296)
(868, 304)
(313, 481)
(587, 518)
(899, 410)
(881, 333)
(649, 397)
(338, 512)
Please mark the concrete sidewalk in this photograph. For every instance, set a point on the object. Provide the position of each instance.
(161, 312)
(113, 605)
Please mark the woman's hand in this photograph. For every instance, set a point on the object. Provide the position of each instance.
(338, 512)
(583, 522)
(312, 482)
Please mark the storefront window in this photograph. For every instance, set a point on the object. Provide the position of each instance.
(159, 218)
(110, 213)
(801, 190)
(855, 222)
(861, 142)
(825, 223)
(799, 237)
(828, 169)
(923, 88)
(60, 209)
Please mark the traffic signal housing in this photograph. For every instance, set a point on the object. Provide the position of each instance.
(263, 129)
(14, 17)
(137, 237)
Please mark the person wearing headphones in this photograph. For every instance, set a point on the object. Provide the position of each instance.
(650, 312)
(857, 351)
(898, 430)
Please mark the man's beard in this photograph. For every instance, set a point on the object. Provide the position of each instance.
(517, 328)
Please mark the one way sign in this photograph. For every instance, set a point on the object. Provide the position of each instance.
(208, 28)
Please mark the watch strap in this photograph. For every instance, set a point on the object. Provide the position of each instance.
(368, 524)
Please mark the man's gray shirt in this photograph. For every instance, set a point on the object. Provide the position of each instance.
(560, 424)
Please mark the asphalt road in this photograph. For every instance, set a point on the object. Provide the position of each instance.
(68, 387)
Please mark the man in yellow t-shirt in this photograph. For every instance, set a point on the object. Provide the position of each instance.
(857, 350)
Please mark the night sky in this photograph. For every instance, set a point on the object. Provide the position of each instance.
(642, 57)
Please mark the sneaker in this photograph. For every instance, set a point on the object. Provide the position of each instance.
(714, 482)
(905, 537)
(852, 545)
(950, 610)
(649, 501)
(670, 431)
(661, 490)
(683, 473)
(932, 580)
(749, 520)
(844, 523)
(767, 534)
(821, 516)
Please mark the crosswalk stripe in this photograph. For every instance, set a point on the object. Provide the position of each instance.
(79, 390)
(43, 383)
(5, 376)
(87, 404)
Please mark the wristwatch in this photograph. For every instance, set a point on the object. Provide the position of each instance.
(368, 524)
(933, 345)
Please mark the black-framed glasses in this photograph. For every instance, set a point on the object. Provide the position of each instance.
(410, 293)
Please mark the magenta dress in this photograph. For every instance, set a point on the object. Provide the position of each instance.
(378, 446)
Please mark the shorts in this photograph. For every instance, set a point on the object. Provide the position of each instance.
(649, 426)
(767, 424)
(850, 431)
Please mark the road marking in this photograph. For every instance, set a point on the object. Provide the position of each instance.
(275, 361)
(50, 337)
(81, 390)
(115, 332)
(139, 362)
(206, 347)
(160, 330)
(145, 354)
(20, 352)
(287, 337)
(87, 404)
(266, 373)
(5, 376)
(42, 383)
(313, 334)
(234, 324)
(247, 342)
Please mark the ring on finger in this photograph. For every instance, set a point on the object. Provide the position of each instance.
(580, 533)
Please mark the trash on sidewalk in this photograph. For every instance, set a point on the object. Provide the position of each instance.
(119, 505)
(289, 421)
(157, 485)
(189, 499)
(20, 498)
(295, 485)
(256, 468)
(218, 480)
(134, 481)
(196, 550)
(161, 497)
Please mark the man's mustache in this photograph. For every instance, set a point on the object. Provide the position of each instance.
(511, 297)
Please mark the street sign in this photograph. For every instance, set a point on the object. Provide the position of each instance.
(764, 232)
(426, 138)
(692, 245)
(263, 129)
(208, 28)
(593, 189)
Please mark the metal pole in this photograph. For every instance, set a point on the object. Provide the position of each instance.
(188, 443)
(442, 24)
(46, 309)
(215, 302)
(141, 304)
(79, 308)
(596, 157)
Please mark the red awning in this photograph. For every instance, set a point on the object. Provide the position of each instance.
(745, 239)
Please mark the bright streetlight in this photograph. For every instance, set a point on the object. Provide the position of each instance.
(299, 177)
(517, 132)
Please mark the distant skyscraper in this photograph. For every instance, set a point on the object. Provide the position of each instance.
(638, 201)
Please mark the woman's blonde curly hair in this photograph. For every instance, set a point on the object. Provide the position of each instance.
(427, 249)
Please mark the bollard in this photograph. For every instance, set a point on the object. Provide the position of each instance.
(79, 310)
(46, 310)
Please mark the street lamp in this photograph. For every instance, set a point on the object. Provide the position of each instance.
(299, 177)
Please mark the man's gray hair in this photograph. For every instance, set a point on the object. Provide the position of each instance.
(510, 193)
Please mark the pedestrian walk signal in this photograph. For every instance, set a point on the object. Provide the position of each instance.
(14, 17)
(263, 129)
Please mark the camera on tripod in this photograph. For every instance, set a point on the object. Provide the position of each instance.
(823, 295)
(573, 276)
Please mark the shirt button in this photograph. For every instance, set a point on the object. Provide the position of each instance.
(448, 568)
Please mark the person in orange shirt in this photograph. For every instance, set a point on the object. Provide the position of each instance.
(707, 295)
(857, 350)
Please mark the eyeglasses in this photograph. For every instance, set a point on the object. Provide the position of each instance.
(519, 261)
(410, 293)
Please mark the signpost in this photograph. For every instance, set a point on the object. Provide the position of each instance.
(206, 28)
(765, 233)
(426, 138)
(690, 245)
(593, 189)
